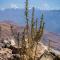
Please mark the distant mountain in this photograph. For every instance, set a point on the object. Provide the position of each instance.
(51, 17)
(52, 39)
(6, 30)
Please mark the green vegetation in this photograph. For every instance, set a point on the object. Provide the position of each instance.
(32, 24)
(26, 15)
(36, 25)
(31, 39)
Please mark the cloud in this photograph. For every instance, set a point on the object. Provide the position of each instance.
(13, 6)
(45, 6)
(9, 6)
(2, 9)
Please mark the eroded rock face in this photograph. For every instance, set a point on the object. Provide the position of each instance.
(12, 53)
(14, 57)
(41, 48)
(48, 56)
(5, 53)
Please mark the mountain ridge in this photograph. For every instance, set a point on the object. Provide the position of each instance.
(51, 17)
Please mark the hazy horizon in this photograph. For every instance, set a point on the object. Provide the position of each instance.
(40, 4)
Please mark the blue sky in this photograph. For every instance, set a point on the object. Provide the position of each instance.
(41, 4)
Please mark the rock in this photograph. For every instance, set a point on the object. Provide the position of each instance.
(5, 53)
(2, 45)
(16, 56)
(41, 48)
(48, 56)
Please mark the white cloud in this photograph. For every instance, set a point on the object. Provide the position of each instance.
(44, 6)
(14, 6)
(2, 9)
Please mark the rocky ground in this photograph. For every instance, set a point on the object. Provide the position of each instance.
(10, 51)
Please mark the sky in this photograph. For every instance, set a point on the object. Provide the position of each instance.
(40, 4)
